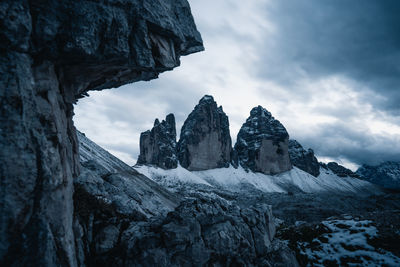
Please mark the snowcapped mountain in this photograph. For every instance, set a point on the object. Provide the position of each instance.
(386, 174)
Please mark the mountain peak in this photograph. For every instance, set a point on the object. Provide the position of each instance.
(205, 140)
(206, 99)
(262, 143)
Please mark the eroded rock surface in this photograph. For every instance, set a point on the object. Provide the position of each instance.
(303, 159)
(205, 141)
(262, 143)
(203, 232)
(158, 146)
(51, 53)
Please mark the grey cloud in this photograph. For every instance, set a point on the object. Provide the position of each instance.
(359, 39)
(355, 144)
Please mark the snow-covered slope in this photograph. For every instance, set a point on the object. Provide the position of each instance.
(236, 179)
(104, 177)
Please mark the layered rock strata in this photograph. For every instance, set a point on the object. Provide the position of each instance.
(262, 143)
(158, 146)
(51, 53)
(303, 159)
(205, 141)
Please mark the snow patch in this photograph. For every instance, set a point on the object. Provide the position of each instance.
(347, 243)
(234, 179)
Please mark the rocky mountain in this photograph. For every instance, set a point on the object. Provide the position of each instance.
(303, 159)
(386, 174)
(339, 170)
(262, 143)
(123, 218)
(205, 141)
(51, 53)
(158, 146)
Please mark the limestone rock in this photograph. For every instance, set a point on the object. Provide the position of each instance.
(158, 146)
(205, 141)
(303, 159)
(51, 53)
(386, 174)
(262, 143)
(203, 232)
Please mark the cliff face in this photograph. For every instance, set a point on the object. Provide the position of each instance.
(158, 146)
(205, 141)
(262, 143)
(51, 53)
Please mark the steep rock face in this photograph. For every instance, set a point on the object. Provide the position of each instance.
(205, 142)
(303, 159)
(51, 53)
(158, 146)
(386, 174)
(339, 170)
(262, 143)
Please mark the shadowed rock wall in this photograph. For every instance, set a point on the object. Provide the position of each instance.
(158, 146)
(205, 141)
(51, 53)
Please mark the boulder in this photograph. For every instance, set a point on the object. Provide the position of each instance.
(205, 142)
(262, 143)
(303, 159)
(158, 146)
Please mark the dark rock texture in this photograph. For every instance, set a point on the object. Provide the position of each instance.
(386, 174)
(303, 159)
(339, 170)
(51, 53)
(205, 142)
(203, 232)
(262, 143)
(158, 146)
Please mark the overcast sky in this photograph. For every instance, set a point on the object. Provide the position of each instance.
(328, 70)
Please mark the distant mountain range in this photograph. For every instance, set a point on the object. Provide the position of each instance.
(262, 146)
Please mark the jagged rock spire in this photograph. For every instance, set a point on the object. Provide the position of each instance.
(262, 143)
(205, 141)
(158, 146)
(303, 159)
